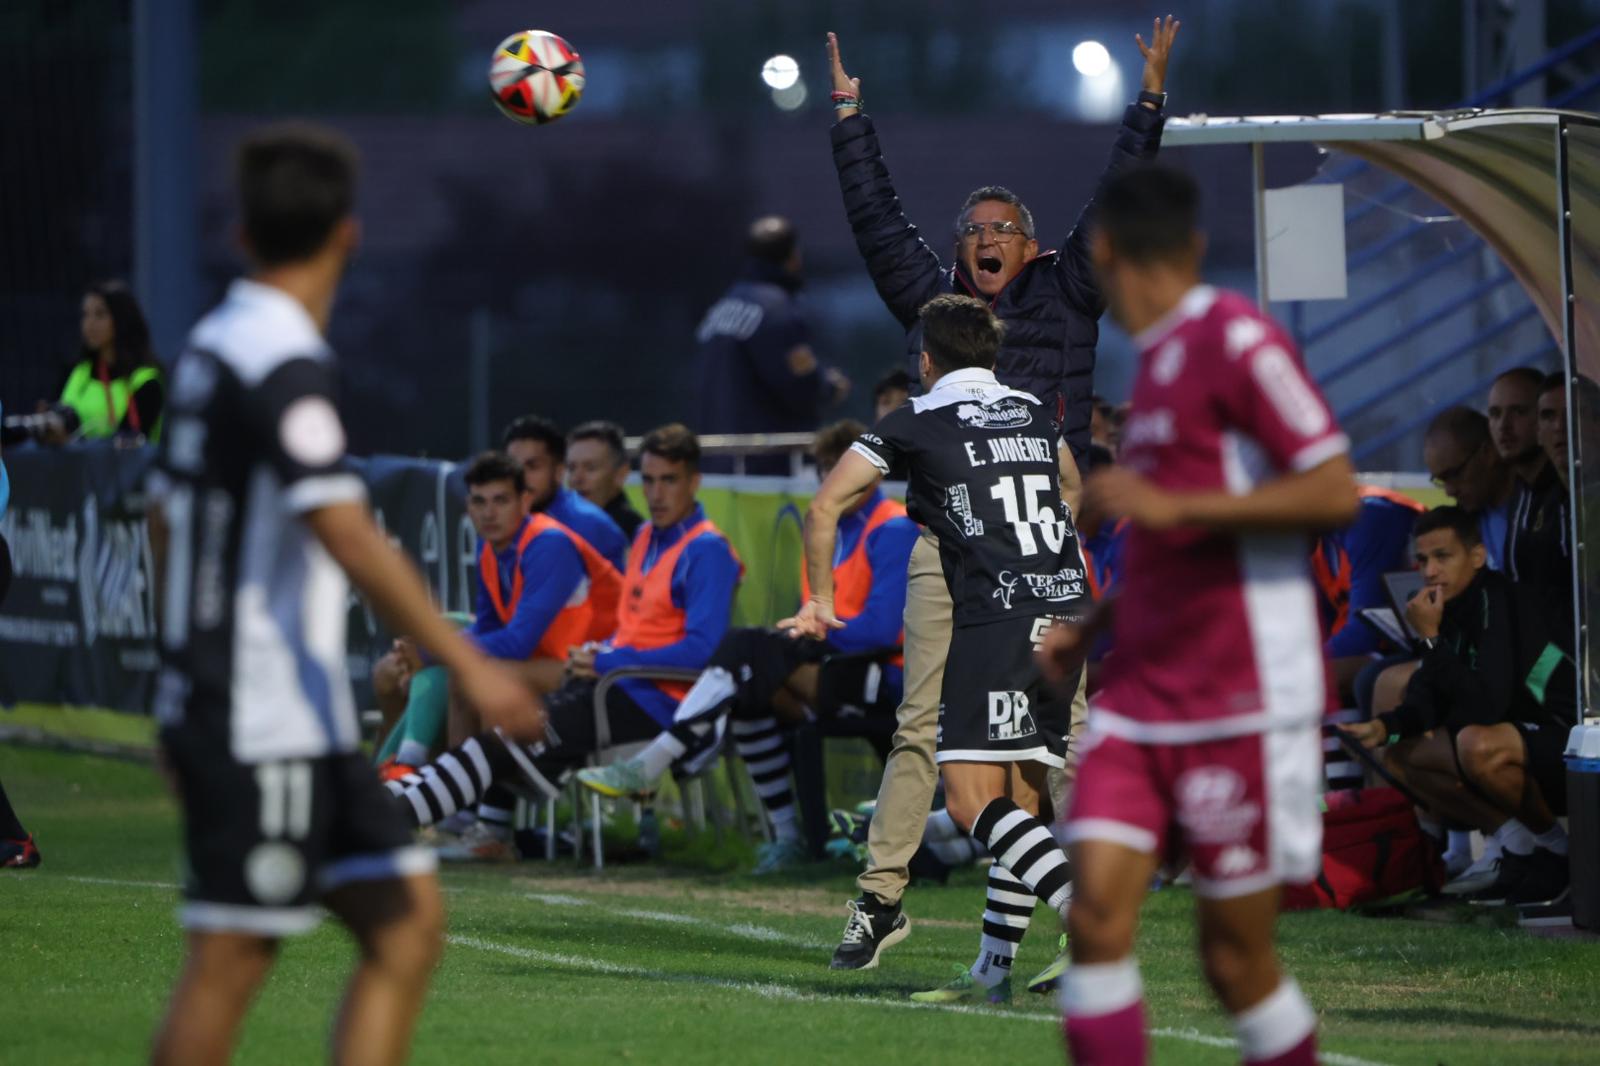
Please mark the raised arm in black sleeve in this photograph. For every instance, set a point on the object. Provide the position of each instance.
(904, 269)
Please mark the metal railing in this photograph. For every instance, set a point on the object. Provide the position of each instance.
(740, 446)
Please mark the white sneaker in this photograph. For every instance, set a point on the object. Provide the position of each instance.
(1480, 875)
(480, 843)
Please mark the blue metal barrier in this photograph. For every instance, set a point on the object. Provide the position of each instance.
(1427, 321)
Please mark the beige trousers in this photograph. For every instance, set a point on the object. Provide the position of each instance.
(910, 774)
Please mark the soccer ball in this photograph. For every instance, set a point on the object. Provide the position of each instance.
(535, 77)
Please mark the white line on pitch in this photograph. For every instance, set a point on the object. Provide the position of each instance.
(786, 992)
(745, 930)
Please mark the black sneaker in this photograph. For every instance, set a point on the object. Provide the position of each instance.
(1545, 881)
(871, 928)
(1508, 875)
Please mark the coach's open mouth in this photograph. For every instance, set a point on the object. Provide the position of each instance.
(988, 264)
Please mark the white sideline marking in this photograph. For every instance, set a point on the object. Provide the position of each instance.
(764, 990)
(740, 929)
(786, 992)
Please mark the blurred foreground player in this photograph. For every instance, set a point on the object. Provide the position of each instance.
(17, 849)
(255, 517)
(1204, 738)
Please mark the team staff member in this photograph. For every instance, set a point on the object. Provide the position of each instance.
(255, 523)
(677, 599)
(1490, 707)
(597, 470)
(761, 675)
(1049, 302)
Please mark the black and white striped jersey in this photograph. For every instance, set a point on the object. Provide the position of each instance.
(253, 609)
(983, 474)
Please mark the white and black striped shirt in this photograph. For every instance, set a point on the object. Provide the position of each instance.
(253, 611)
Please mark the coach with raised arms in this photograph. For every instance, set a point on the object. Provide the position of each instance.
(1050, 305)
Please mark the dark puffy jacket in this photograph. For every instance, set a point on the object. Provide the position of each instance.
(1050, 309)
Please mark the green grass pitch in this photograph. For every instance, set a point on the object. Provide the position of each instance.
(551, 964)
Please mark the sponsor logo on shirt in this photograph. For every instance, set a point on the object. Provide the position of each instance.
(958, 504)
(1062, 586)
(1002, 414)
(1009, 717)
(1150, 428)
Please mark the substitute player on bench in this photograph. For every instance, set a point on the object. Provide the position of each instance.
(1205, 736)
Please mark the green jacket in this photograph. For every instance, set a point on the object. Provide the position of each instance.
(101, 406)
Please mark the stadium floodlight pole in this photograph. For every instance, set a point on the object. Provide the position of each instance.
(1569, 366)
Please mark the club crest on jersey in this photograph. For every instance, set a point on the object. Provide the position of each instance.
(1002, 414)
(1009, 717)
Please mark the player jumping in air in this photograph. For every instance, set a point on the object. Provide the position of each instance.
(256, 521)
(1204, 737)
(985, 473)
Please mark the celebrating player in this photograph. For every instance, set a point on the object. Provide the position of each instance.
(256, 517)
(985, 474)
(1205, 735)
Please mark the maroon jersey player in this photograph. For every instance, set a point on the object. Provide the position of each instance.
(1204, 739)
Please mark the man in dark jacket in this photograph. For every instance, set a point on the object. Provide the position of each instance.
(1483, 723)
(757, 371)
(1049, 302)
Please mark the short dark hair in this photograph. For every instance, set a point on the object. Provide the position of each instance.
(999, 194)
(494, 466)
(1149, 213)
(538, 428)
(831, 442)
(1527, 375)
(1449, 516)
(894, 379)
(772, 239)
(675, 442)
(296, 182)
(608, 433)
(960, 332)
(1466, 427)
(1554, 380)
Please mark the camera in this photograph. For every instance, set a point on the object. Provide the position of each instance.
(40, 427)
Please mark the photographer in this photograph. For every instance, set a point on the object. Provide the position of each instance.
(114, 389)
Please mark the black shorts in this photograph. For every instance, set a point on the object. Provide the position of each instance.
(994, 706)
(1547, 764)
(265, 841)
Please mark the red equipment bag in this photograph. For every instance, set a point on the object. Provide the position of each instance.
(1372, 848)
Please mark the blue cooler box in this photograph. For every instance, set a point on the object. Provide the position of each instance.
(1583, 823)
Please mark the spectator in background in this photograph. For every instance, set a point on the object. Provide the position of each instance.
(597, 470)
(757, 371)
(115, 387)
(1101, 417)
(1533, 547)
(893, 389)
(540, 446)
(1462, 459)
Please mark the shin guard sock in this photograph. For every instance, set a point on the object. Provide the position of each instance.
(1281, 1030)
(1103, 1005)
(458, 778)
(1022, 844)
(1008, 908)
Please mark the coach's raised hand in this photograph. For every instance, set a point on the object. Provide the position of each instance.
(847, 90)
(1156, 54)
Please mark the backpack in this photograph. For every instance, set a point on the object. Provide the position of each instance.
(1372, 849)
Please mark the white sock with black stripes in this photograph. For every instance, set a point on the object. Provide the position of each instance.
(455, 780)
(761, 746)
(1022, 844)
(1008, 910)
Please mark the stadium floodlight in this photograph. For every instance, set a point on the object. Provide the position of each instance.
(791, 97)
(781, 72)
(1090, 59)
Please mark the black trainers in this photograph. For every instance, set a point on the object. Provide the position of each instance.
(1545, 880)
(871, 928)
(1508, 875)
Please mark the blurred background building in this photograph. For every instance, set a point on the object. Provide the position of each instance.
(563, 269)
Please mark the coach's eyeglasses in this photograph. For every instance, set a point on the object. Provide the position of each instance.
(1001, 232)
(1444, 477)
